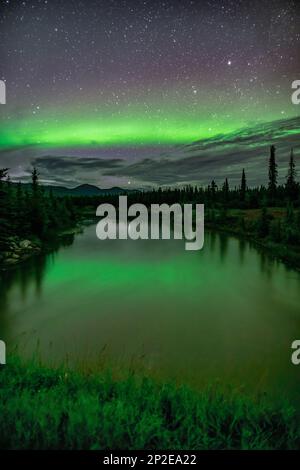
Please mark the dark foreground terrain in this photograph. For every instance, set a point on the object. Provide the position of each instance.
(43, 408)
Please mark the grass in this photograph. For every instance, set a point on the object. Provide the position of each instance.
(43, 408)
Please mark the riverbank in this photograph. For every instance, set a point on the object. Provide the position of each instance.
(242, 224)
(289, 256)
(19, 250)
(44, 408)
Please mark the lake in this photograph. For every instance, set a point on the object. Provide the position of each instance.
(227, 313)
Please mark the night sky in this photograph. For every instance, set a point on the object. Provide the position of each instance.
(144, 93)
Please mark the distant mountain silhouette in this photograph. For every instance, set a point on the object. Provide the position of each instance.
(90, 190)
(83, 190)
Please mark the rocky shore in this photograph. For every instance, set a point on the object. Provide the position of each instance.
(17, 250)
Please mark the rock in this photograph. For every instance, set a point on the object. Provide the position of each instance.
(17, 251)
(25, 244)
(13, 246)
(11, 260)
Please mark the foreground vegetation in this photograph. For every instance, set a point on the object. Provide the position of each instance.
(44, 408)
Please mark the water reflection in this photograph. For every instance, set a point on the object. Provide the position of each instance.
(27, 275)
(242, 248)
(223, 246)
(228, 312)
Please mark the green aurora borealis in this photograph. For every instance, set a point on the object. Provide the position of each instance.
(130, 131)
(128, 85)
(138, 129)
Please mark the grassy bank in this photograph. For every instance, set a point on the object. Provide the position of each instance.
(42, 408)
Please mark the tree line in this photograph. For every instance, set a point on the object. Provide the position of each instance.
(35, 212)
(213, 195)
(222, 203)
(30, 212)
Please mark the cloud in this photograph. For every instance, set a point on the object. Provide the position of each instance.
(73, 170)
(50, 163)
(221, 156)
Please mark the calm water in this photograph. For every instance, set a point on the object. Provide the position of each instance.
(226, 313)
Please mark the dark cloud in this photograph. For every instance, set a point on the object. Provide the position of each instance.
(50, 163)
(72, 170)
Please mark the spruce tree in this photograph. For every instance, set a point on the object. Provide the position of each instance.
(273, 173)
(243, 185)
(38, 216)
(213, 190)
(5, 229)
(291, 186)
(225, 190)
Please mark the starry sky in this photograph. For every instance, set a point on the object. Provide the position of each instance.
(145, 93)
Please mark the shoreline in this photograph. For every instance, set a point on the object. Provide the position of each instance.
(21, 250)
(284, 253)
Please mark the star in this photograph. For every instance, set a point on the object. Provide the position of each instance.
(128, 73)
